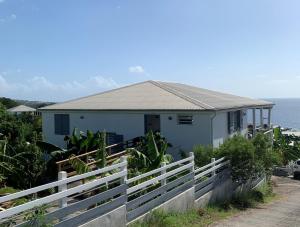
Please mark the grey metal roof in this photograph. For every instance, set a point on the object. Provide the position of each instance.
(156, 95)
(21, 108)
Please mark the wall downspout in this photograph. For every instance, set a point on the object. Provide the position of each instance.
(211, 128)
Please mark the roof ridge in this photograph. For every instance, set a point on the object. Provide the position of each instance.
(181, 95)
(99, 93)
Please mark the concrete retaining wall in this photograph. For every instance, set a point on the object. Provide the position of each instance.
(180, 203)
(225, 189)
(115, 218)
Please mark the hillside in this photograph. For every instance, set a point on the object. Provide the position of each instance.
(9, 103)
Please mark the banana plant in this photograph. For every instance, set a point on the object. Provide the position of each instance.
(82, 167)
(79, 143)
(149, 154)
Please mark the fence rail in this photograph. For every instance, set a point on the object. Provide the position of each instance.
(64, 165)
(76, 201)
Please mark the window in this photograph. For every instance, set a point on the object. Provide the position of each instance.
(234, 121)
(62, 124)
(185, 119)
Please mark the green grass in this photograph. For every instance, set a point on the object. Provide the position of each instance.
(10, 190)
(7, 190)
(191, 218)
(206, 216)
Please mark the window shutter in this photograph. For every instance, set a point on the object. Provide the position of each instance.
(65, 122)
(228, 122)
(57, 124)
(238, 119)
(61, 124)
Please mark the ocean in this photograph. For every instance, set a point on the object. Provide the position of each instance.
(286, 113)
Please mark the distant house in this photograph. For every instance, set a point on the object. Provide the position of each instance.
(184, 114)
(22, 109)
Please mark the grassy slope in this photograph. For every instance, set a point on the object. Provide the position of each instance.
(208, 215)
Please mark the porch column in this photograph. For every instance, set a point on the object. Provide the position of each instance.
(261, 118)
(254, 122)
(269, 117)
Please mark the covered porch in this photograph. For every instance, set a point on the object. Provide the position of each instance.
(261, 120)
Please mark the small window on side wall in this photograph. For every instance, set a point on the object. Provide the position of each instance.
(61, 124)
(185, 119)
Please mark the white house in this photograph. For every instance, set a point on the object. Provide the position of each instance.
(22, 109)
(184, 114)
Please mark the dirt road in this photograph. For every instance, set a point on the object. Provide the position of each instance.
(283, 212)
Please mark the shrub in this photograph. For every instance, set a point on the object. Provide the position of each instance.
(203, 154)
(265, 156)
(241, 153)
(251, 198)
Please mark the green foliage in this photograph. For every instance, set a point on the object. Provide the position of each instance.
(79, 165)
(32, 166)
(101, 152)
(78, 143)
(192, 218)
(265, 156)
(7, 190)
(250, 158)
(286, 146)
(82, 167)
(37, 218)
(204, 154)
(208, 215)
(241, 153)
(250, 199)
(149, 154)
(8, 103)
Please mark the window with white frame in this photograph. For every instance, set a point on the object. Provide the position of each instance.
(185, 119)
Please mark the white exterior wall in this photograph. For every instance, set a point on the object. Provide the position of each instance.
(220, 127)
(185, 137)
(131, 124)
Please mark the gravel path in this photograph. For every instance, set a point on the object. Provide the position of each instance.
(283, 212)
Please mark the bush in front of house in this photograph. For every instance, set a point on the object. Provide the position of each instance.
(241, 153)
(204, 154)
(249, 159)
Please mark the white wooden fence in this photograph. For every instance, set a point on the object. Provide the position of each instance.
(79, 199)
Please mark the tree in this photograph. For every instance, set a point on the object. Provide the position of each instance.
(266, 157)
(8, 103)
(286, 145)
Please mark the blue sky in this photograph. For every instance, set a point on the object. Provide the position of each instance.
(61, 49)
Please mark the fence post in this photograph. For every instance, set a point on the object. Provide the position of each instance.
(61, 176)
(123, 159)
(213, 173)
(163, 181)
(191, 154)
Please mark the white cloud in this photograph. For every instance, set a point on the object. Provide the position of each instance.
(13, 16)
(8, 18)
(136, 69)
(40, 88)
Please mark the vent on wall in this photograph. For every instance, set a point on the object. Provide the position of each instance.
(185, 119)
